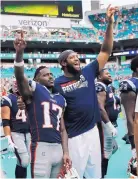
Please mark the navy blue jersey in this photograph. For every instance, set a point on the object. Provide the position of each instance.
(82, 111)
(110, 103)
(129, 85)
(45, 113)
(18, 119)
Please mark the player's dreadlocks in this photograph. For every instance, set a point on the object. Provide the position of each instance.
(134, 64)
(38, 70)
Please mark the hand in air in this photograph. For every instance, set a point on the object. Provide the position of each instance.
(19, 43)
(110, 13)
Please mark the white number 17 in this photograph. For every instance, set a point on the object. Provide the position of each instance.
(47, 119)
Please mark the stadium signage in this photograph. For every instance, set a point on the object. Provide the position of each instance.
(41, 22)
(71, 15)
(71, 10)
(48, 8)
(127, 53)
(32, 22)
(120, 53)
(43, 56)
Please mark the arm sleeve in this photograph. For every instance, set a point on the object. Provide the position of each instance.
(136, 107)
(92, 68)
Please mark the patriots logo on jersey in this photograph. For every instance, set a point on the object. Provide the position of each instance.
(99, 88)
(74, 85)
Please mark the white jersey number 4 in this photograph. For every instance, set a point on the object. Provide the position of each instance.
(21, 115)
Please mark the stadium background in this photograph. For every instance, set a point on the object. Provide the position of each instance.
(47, 37)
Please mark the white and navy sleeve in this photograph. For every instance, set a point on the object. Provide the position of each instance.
(126, 86)
(32, 84)
(6, 101)
(100, 87)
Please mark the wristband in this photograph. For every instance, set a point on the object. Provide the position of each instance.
(5, 122)
(18, 64)
(110, 125)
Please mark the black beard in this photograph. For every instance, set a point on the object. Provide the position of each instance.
(107, 82)
(72, 70)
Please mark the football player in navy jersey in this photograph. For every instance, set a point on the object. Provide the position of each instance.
(118, 108)
(108, 109)
(82, 111)
(129, 90)
(16, 130)
(45, 109)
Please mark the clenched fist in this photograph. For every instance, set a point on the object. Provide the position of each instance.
(110, 13)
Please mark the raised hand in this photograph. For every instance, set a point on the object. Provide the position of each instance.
(19, 43)
(110, 13)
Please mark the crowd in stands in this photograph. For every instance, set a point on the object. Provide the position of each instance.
(126, 27)
(126, 23)
(118, 74)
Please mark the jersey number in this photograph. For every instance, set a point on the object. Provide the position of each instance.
(47, 119)
(21, 115)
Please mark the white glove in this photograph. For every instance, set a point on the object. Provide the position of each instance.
(134, 154)
(111, 129)
(11, 145)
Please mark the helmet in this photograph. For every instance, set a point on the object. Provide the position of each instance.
(69, 174)
(132, 168)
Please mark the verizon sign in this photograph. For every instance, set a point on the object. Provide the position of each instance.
(42, 22)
